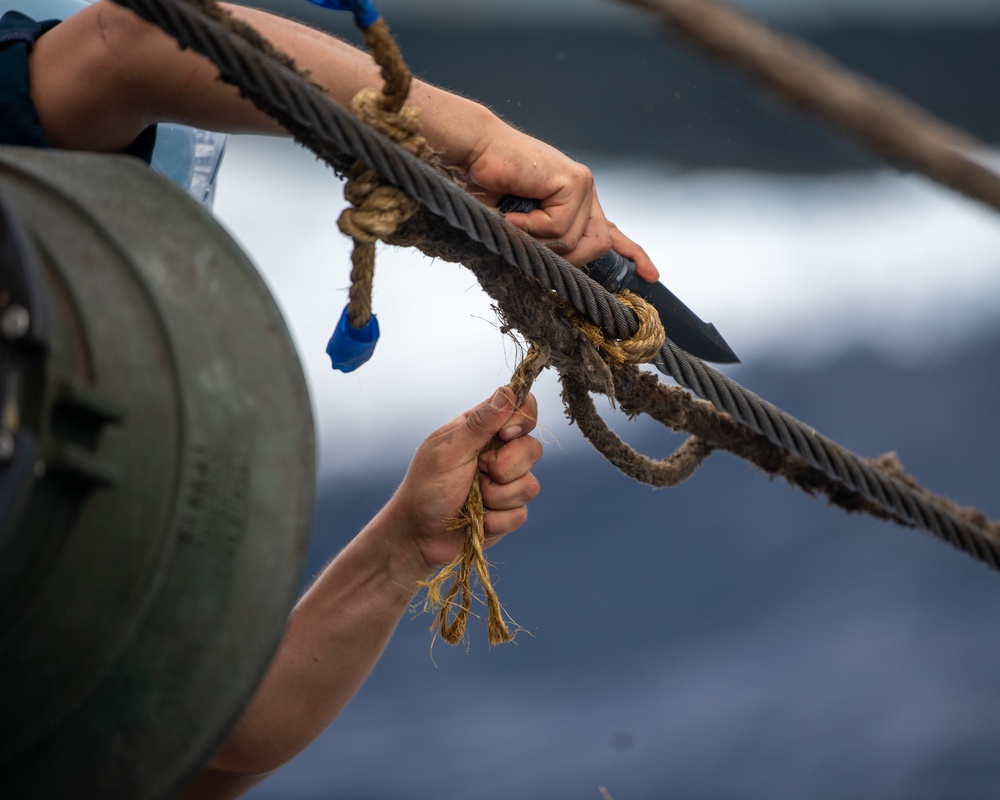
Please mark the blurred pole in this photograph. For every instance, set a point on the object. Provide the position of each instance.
(808, 80)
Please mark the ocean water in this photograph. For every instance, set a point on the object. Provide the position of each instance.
(727, 638)
(732, 637)
(791, 269)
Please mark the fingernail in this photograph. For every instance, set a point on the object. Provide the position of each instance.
(500, 399)
(512, 432)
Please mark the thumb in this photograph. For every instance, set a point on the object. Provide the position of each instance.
(484, 421)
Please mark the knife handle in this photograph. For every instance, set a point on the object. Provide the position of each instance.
(615, 273)
(612, 270)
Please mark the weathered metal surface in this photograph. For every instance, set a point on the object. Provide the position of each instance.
(145, 582)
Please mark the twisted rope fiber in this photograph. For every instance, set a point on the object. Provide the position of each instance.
(377, 213)
(452, 607)
(670, 471)
(376, 210)
(543, 317)
(337, 137)
(809, 81)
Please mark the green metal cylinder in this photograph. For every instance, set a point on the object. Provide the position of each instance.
(156, 543)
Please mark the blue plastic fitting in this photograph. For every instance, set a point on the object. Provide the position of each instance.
(350, 347)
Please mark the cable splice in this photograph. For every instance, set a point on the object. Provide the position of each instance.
(271, 82)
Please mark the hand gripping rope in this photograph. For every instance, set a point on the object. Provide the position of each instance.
(563, 312)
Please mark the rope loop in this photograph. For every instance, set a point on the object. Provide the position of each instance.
(643, 346)
(660, 473)
(729, 416)
(377, 209)
(377, 214)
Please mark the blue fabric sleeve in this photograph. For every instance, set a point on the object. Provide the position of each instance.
(19, 123)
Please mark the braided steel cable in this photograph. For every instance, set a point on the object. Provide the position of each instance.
(337, 137)
(898, 498)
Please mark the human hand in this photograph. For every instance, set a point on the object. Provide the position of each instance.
(570, 219)
(438, 480)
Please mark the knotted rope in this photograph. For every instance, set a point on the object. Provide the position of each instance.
(377, 209)
(534, 297)
(377, 212)
(640, 348)
(452, 607)
(661, 473)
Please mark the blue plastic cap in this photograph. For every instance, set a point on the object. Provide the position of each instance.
(364, 10)
(350, 347)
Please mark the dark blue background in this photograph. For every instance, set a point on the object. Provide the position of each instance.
(731, 637)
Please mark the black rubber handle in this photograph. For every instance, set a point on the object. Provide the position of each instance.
(612, 270)
(617, 273)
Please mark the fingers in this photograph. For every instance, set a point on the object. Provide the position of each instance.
(570, 220)
(507, 484)
(509, 463)
(509, 496)
(437, 484)
(583, 237)
(644, 266)
(498, 524)
(494, 416)
(460, 440)
(522, 421)
(506, 504)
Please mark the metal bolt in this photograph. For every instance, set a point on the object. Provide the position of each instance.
(14, 322)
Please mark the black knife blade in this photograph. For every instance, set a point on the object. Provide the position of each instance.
(617, 273)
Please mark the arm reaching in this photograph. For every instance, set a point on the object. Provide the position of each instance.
(342, 624)
(127, 75)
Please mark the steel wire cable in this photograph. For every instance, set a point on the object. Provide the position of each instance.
(336, 136)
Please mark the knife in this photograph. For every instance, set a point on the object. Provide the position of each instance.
(617, 273)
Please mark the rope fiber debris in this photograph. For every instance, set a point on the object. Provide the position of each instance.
(378, 211)
(545, 296)
(452, 607)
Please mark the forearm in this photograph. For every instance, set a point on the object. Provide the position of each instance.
(128, 75)
(453, 125)
(103, 76)
(343, 623)
(335, 636)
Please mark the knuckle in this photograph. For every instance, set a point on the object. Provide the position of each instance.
(501, 473)
(501, 523)
(502, 468)
(481, 422)
(582, 175)
(433, 456)
(487, 462)
(605, 240)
